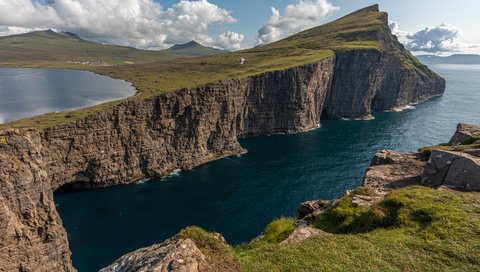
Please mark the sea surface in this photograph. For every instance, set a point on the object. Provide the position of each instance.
(238, 196)
(26, 92)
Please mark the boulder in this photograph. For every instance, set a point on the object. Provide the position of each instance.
(464, 132)
(302, 233)
(174, 255)
(313, 206)
(452, 169)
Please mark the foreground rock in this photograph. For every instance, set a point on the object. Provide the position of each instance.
(452, 169)
(391, 170)
(464, 132)
(303, 232)
(174, 255)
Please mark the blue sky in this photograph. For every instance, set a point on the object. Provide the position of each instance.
(434, 26)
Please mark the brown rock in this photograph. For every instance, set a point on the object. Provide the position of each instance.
(313, 206)
(452, 169)
(300, 234)
(390, 169)
(174, 255)
(464, 132)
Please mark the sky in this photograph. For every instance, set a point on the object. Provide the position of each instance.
(425, 26)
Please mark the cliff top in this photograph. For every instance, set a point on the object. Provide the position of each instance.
(363, 29)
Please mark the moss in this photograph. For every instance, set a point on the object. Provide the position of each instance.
(471, 141)
(425, 151)
(366, 191)
(220, 256)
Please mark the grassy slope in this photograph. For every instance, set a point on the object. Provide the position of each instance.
(359, 30)
(413, 229)
(51, 49)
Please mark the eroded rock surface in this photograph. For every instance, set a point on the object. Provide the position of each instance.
(452, 169)
(390, 170)
(174, 255)
(464, 132)
(302, 233)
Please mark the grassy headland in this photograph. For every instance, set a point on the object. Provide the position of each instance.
(359, 30)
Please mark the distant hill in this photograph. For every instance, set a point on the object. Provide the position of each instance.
(194, 49)
(48, 48)
(453, 59)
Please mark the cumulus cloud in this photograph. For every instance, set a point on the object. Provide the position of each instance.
(139, 23)
(442, 38)
(230, 40)
(297, 17)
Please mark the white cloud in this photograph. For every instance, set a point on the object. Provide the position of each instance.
(439, 39)
(229, 40)
(442, 38)
(297, 17)
(139, 23)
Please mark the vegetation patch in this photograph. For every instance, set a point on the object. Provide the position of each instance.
(219, 254)
(366, 191)
(275, 232)
(413, 229)
(3, 140)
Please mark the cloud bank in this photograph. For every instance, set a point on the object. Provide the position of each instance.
(138, 23)
(297, 17)
(440, 39)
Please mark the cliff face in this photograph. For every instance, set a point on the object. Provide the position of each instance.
(152, 137)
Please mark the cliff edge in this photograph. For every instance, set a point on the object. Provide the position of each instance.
(365, 69)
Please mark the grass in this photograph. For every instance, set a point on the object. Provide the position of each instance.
(359, 30)
(275, 232)
(412, 229)
(420, 229)
(219, 255)
(470, 144)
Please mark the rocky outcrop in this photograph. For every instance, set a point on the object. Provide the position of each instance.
(465, 132)
(303, 232)
(173, 255)
(152, 137)
(391, 170)
(452, 169)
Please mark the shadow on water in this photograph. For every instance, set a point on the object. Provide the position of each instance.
(239, 196)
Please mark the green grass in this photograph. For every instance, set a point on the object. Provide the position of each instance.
(412, 229)
(275, 232)
(427, 230)
(469, 145)
(359, 30)
(220, 256)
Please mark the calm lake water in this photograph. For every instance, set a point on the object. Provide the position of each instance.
(26, 92)
(239, 196)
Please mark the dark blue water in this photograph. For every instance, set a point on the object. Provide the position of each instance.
(239, 196)
(26, 92)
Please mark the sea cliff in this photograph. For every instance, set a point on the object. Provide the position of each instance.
(145, 138)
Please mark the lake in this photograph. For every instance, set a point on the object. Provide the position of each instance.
(26, 92)
(239, 196)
